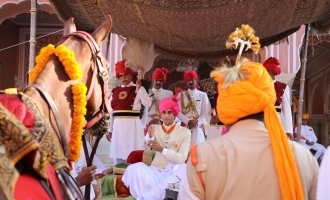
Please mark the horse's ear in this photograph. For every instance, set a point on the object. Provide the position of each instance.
(69, 26)
(103, 30)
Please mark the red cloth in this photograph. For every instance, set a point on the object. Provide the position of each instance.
(121, 103)
(14, 105)
(28, 186)
(279, 89)
(160, 73)
(273, 65)
(135, 156)
(121, 68)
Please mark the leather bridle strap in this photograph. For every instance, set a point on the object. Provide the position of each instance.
(56, 114)
(97, 58)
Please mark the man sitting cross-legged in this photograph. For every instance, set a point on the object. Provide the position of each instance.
(171, 143)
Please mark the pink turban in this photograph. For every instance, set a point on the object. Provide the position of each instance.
(160, 73)
(190, 74)
(172, 104)
(273, 65)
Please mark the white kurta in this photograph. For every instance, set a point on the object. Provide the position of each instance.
(159, 95)
(203, 107)
(307, 133)
(127, 133)
(323, 185)
(149, 182)
(286, 114)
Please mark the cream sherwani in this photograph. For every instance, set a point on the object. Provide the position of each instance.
(240, 165)
(307, 133)
(158, 95)
(203, 108)
(149, 182)
(127, 133)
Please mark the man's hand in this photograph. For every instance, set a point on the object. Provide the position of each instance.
(138, 84)
(214, 119)
(109, 136)
(155, 146)
(192, 123)
(154, 121)
(290, 136)
(86, 175)
(309, 142)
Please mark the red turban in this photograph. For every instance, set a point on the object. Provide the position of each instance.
(160, 73)
(190, 74)
(273, 65)
(172, 104)
(122, 69)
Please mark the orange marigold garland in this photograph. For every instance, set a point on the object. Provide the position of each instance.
(69, 62)
(79, 111)
(41, 60)
(79, 90)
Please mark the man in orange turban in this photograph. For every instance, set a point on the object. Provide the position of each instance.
(283, 100)
(254, 160)
(308, 138)
(157, 93)
(195, 108)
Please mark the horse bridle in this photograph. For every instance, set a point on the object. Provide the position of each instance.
(105, 106)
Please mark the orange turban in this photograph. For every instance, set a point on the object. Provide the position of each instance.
(248, 89)
(160, 73)
(273, 65)
(121, 68)
(305, 116)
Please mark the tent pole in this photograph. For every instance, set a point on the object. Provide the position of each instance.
(32, 41)
(302, 81)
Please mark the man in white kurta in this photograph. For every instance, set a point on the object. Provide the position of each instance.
(126, 129)
(195, 108)
(308, 138)
(283, 96)
(171, 143)
(157, 93)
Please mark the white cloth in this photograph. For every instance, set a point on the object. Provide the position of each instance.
(203, 107)
(323, 185)
(127, 133)
(307, 132)
(159, 95)
(286, 114)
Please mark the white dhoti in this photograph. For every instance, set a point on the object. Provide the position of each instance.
(148, 182)
(197, 136)
(319, 148)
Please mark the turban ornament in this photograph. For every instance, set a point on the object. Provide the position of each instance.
(273, 65)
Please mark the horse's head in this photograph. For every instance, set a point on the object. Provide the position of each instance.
(95, 68)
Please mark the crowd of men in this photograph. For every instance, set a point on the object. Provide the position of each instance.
(257, 158)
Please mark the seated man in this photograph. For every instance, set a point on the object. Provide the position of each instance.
(171, 143)
(308, 138)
